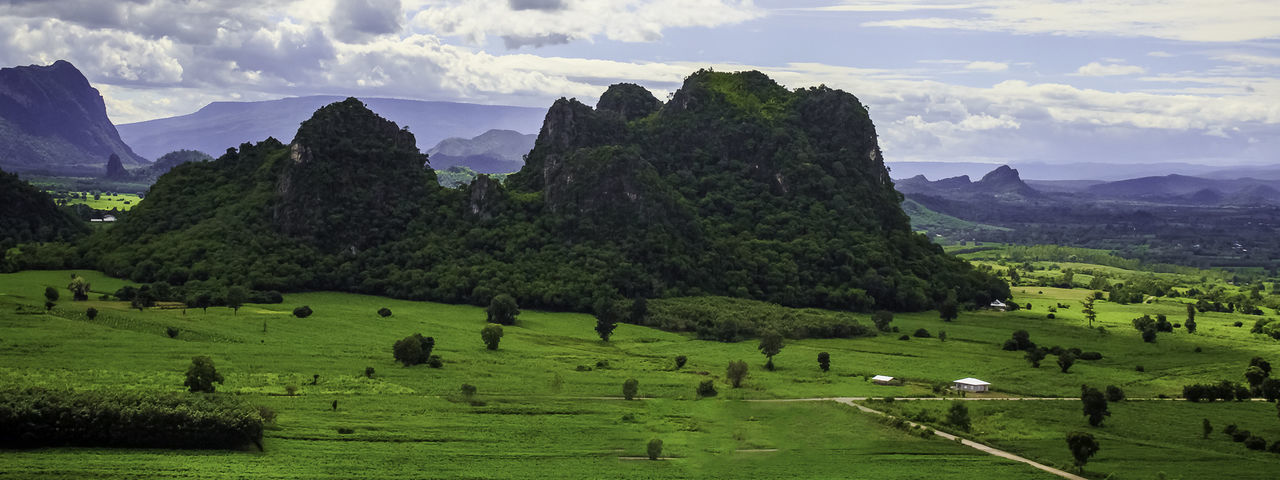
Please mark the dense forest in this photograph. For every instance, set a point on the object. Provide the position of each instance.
(735, 187)
(30, 215)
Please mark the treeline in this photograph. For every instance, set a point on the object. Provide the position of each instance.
(732, 319)
(38, 417)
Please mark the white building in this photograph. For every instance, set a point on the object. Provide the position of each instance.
(970, 385)
(882, 380)
(998, 305)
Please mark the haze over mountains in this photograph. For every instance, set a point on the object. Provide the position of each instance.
(51, 119)
(222, 125)
(494, 151)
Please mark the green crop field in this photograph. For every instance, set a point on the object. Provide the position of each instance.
(105, 201)
(547, 401)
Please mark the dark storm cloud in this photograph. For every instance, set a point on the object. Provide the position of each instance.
(358, 20)
(513, 42)
(544, 5)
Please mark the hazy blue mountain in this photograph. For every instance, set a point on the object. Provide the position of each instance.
(1003, 182)
(51, 119)
(222, 125)
(494, 151)
(1188, 189)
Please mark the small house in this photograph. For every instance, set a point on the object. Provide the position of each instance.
(970, 385)
(999, 306)
(109, 218)
(882, 380)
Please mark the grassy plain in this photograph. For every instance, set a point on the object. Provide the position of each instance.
(545, 411)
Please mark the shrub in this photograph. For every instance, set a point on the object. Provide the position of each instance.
(707, 388)
(680, 361)
(39, 417)
(503, 310)
(201, 375)
(172, 332)
(922, 333)
(1238, 324)
(91, 312)
(491, 334)
(1020, 340)
(654, 449)
(346, 430)
(942, 335)
(905, 337)
(302, 312)
(291, 389)
(958, 416)
(1091, 356)
(413, 349)
(1149, 335)
(1275, 447)
(368, 372)
(1255, 443)
(1035, 356)
(1082, 446)
(435, 362)
(1230, 429)
(736, 372)
(881, 320)
(1065, 361)
(1114, 393)
(267, 414)
(468, 391)
(1240, 435)
(1139, 368)
(1050, 316)
(630, 388)
(824, 361)
(384, 312)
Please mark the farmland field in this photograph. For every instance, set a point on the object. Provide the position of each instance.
(547, 402)
(104, 201)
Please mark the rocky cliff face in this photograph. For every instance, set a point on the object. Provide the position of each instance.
(52, 119)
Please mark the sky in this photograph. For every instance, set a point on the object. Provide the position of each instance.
(991, 81)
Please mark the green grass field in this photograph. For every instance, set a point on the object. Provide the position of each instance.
(544, 414)
(118, 201)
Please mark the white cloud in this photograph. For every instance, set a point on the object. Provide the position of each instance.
(1252, 60)
(1160, 54)
(984, 66)
(1095, 69)
(1186, 20)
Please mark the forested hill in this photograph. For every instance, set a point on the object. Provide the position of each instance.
(737, 186)
(29, 215)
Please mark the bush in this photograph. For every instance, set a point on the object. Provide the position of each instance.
(40, 417)
(267, 414)
(291, 390)
(435, 362)
(1139, 368)
(172, 332)
(302, 312)
(1230, 429)
(904, 337)
(1065, 361)
(630, 388)
(346, 430)
(413, 349)
(680, 361)
(1050, 316)
(1238, 324)
(1255, 443)
(707, 388)
(958, 416)
(1114, 393)
(491, 334)
(468, 391)
(201, 375)
(824, 361)
(503, 310)
(384, 312)
(736, 372)
(922, 333)
(1275, 447)
(881, 320)
(1149, 335)
(654, 449)
(91, 312)
(1091, 356)
(1240, 435)
(368, 372)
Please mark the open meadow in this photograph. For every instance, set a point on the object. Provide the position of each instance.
(548, 400)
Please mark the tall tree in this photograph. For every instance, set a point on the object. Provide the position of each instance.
(1095, 405)
(770, 345)
(1089, 312)
(1082, 446)
(949, 309)
(201, 375)
(236, 296)
(1191, 318)
(79, 288)
(607, 316)
(503, 310)
(824, 361)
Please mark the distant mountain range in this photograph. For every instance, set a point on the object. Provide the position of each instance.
(494, 151)
(52, 120)
(1096, 171)
(1003, 182)
(222, 125)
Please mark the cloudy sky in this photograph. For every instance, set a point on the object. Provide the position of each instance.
(1130, 81)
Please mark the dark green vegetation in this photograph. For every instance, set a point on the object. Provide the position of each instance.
(39, 417)
(736, 187)
(30, 215)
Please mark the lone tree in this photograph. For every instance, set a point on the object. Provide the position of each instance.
(491, 334)
(1191, 319)
(630, 388)
(655, 449)
(302, 312)
(79, 288)
(413, 349)
(882, 318)
(958, 416)
(949, 309)
(91, 312)
(1082, 447)
(680, 361)
(607, 316)
(51, 294)
(1035, 356)
(1088, 311)
(1114, 394)
(201, 375)
(736, 372)
(824, 361)
(1206, 428)
(236, 296)
(1095, 405)
(770, 345)
(202, 301)
(1066, 360)
(503, 310)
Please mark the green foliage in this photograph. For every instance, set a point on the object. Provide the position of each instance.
(824, 361)
(91, 312)
(608, 313)
(680, 361)
(731, 319)
(79, 288)
(503, 310)
(1094, 405)
(1206, 428)
(707, 388)
(949, 309)
(1036, 355)
(881, 319)
(38, 417)
(958, 416)
(51, 294)
(492, 335)
(921, 333)
(770, 345)
(201, 375)
(1114, 393)
(302, 312)
(30, 215)
(413, 349)
(384, 312)
(1066, 360)
(654, 449)
(1082, 446)
(468, 391)
(235, 297)
(736, 373)
(368, 372)
(630, 388)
